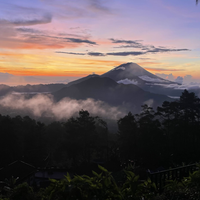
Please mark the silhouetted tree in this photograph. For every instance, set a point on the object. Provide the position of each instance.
(180, 122)
(8, 141)
(128, 137)
(168, 115)
(82, 137)
(189, 117)
(151, 141)
(54, 136)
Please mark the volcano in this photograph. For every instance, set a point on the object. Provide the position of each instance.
(105, 89)
(132, 73)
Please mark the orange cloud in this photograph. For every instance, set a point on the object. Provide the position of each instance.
(52, 65)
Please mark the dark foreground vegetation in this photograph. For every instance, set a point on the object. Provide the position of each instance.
(102, 186)
(151, 140)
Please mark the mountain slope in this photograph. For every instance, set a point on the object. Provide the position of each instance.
(107, 90)
(134, 72)
(82, 79)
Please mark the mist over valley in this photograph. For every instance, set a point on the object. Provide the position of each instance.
(106, 95)
(125, 88)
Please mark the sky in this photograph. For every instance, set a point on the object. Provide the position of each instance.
(62, 40)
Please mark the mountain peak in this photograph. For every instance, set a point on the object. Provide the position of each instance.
(131, 71)
(134, 69)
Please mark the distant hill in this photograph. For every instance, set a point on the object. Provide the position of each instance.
(126, 77)
(82, 79)
(109, 91)
(132, 73)
(4, 89)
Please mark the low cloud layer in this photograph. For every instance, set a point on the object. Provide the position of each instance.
(185, 82)
(44, 106)
(4, 77)
(179, 79)
(188, 86)
(155, 80)
(128, 81)
(187, 79)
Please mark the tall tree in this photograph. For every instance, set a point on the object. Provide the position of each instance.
(181, 124)
(82, 137)
(128, 137)
(150, 137)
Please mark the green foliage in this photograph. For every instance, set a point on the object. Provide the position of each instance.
(193, 180)
(22, 192)
(135, 189)
(100, 186)
(11, 183)
(186, 189)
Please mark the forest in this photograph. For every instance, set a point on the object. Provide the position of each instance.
(151, 140)
(168, 136)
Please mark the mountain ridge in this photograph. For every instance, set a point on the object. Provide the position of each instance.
(133, 71)
(109, 91)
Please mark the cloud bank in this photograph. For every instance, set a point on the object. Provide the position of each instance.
(44, 106)
(128, 81)
(188, 86)
(187, 79)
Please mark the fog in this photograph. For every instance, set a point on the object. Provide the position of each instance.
(43, 106)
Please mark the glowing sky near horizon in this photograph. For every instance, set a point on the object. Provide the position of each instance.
(74, 38)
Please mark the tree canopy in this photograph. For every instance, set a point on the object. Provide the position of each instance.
(165, 137)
